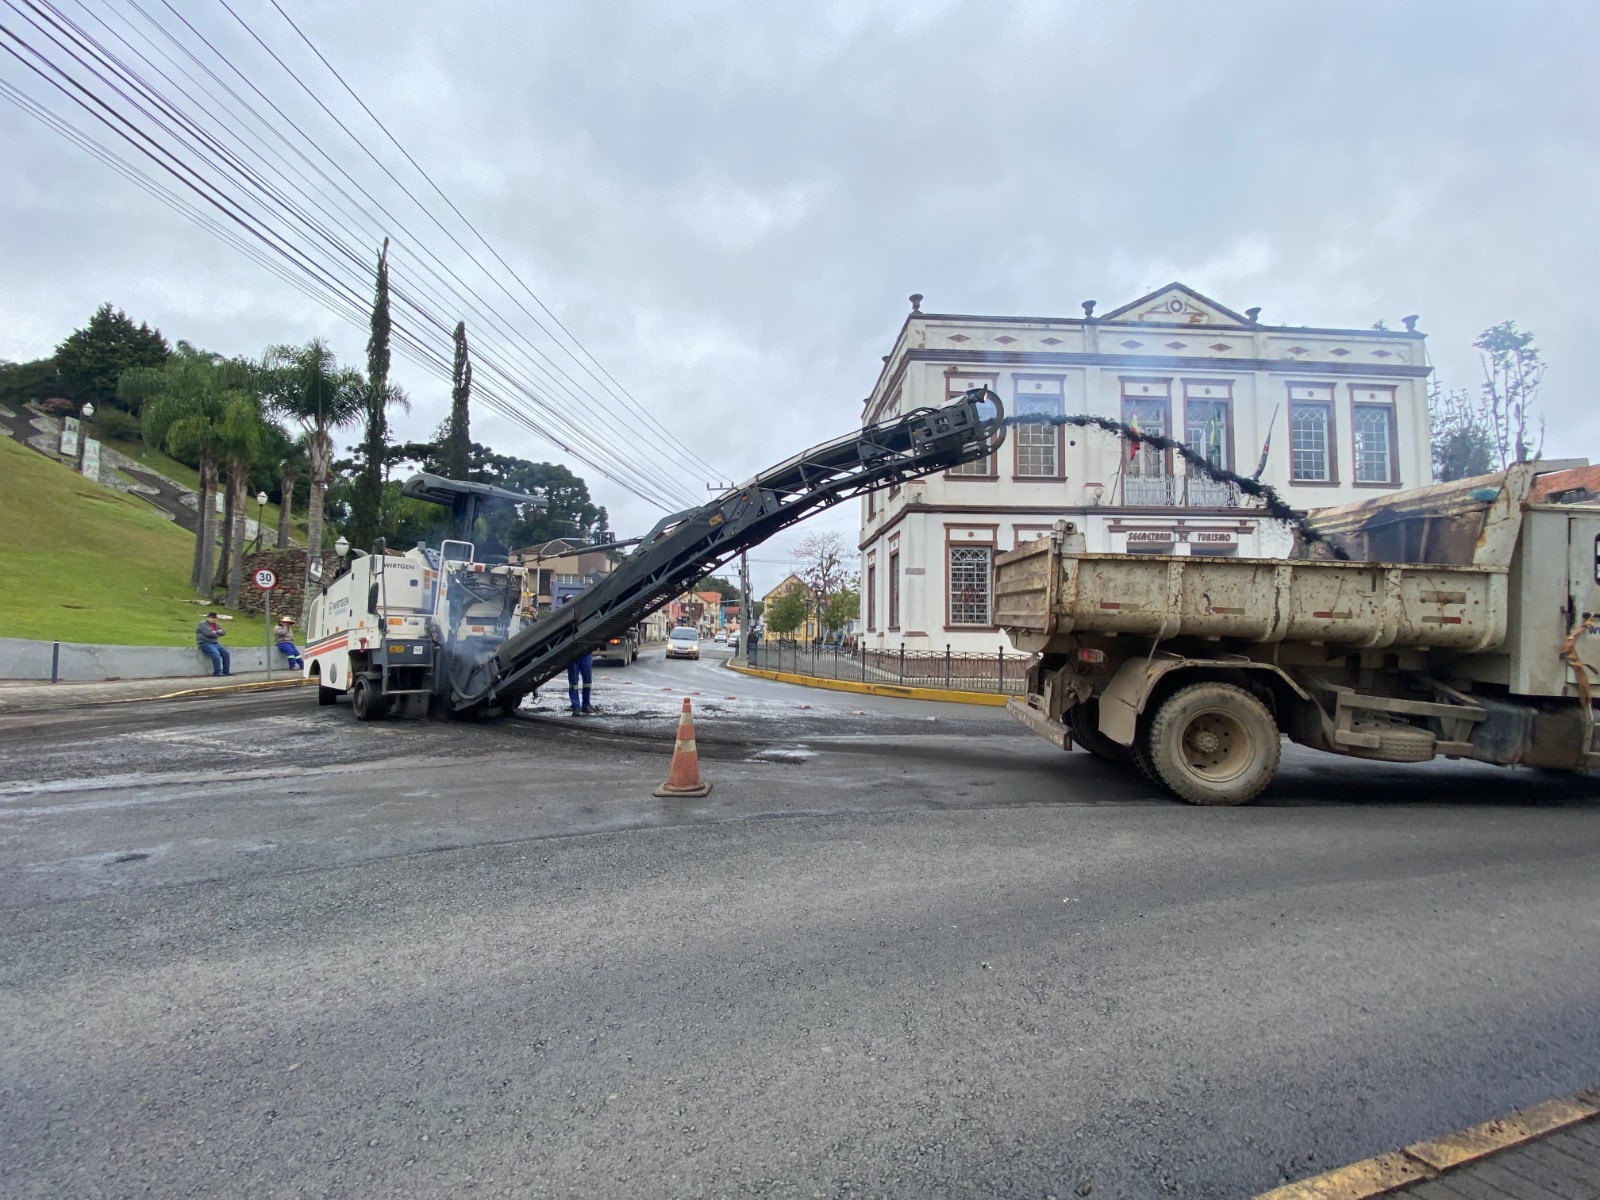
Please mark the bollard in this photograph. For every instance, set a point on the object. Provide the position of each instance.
(947, 664)
(55, 662)
(1000, 675)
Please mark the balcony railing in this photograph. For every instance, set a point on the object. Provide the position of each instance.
(1178, 491)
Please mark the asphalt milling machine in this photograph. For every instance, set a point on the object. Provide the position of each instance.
(449, 631)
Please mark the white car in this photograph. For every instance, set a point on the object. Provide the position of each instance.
(683, 642)
(722, 637)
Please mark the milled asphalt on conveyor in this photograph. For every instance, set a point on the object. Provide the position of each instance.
(252, 946)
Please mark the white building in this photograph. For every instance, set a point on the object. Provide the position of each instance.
(1347, 410)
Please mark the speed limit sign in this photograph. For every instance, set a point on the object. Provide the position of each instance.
(266, 580)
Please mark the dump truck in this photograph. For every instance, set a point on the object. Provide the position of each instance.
(1465, 623)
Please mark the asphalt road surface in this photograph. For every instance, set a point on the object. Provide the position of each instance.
(249, 947)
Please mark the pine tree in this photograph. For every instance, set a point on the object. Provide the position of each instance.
(455, 450)
(91, 360)
(364, 522)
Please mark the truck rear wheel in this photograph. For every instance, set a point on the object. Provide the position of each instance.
(1085, 721)
(1213, 743)
(365, 702)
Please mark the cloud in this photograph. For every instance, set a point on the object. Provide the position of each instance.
(730, 204)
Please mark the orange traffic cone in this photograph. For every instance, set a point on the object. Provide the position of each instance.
(684, 777)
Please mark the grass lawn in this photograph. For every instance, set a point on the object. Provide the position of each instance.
(190, 478)
(83, 563)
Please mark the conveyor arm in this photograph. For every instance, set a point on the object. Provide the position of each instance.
(688, 545)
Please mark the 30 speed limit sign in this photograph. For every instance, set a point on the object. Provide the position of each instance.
(266, 580)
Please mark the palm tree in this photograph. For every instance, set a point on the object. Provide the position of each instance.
(183, 406)
(240, 445)
(284, 456)
(306, 385)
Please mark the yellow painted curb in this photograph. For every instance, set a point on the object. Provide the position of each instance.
(1430, 1159)
(948, 695)
(1443, 1153)
(1373, 1177)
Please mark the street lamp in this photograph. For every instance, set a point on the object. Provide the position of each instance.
(341, 548)
(84, 414)
(261, 508)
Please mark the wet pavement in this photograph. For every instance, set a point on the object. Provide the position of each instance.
(251, 946)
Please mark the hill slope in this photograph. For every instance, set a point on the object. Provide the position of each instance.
(83, 563)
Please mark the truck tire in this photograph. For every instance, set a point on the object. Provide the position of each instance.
(1396, 743)
(1084, 718)
(1213, 743)
(365, 702)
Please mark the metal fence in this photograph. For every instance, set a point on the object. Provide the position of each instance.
(964, 672)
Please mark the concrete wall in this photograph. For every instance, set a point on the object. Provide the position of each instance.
(80, 663)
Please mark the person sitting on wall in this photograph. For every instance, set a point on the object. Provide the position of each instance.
(207, 636)
(284, 636)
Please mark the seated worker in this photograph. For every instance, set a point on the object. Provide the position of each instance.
(284, 636)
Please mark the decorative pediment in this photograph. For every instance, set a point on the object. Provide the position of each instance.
(1175, 304)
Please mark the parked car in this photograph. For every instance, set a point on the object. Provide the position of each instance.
(733, 641)
(683, 642)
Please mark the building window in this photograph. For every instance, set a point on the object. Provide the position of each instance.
(1038, 447)
(894, 590)
(970, 573)
(1372, 426)
(872, 505)
(1147, 471)
(956, 386)
(872, 599)
(1208, 422)
(1311, 434)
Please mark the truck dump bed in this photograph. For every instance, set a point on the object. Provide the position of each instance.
(1042, 594)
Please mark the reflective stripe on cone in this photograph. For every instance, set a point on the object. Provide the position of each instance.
(683, 779)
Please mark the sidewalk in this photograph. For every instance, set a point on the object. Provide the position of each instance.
(1550, 1151)
(26, 695)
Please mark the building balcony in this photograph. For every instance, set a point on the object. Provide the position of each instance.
(1178, 491)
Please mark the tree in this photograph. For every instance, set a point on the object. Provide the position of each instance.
(184, 408)
(306, 385)
(823, 563)
(365, 517)
(1513, 371)
(90, 362)
(28, 381)
(1461, 441)
(241, 445)
(786, 611)
(841, 608)
(455, 438)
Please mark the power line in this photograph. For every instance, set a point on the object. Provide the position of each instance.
(634, 404)
(385, 169)
(188, 142)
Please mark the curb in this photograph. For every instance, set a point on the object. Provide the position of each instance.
(261, 685)
(948, 695)
(1422, 1161)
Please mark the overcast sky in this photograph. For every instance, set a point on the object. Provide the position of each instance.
(730, 203)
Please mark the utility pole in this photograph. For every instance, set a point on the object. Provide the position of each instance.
(746, 620)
